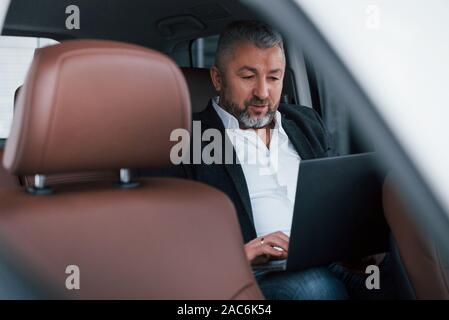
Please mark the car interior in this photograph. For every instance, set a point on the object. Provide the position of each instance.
(68, 188)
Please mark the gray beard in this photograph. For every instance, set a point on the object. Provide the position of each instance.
(245, 120)
(255, 123)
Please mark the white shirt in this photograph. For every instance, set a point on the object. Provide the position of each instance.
(271, 173)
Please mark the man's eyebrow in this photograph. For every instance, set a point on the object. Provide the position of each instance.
(275, 70)
(254, 70)
(247, 68)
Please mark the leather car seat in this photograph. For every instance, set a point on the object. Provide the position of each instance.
(105, 106)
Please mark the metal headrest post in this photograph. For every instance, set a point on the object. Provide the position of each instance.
(125, 179)
(39, 188)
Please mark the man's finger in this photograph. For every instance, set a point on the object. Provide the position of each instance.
(272, 252)
(282, 235)
(277, 242)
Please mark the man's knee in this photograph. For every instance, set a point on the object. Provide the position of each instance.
(311, 284)
(320, 284)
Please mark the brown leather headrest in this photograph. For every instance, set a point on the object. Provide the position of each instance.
(96, 105)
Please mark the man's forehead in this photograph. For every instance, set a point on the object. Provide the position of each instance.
(247, 56)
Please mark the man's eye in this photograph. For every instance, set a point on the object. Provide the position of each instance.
(247, 77)
(274, 78)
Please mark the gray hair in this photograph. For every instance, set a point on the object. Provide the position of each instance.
(260, 34)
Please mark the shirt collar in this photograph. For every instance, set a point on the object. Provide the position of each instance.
(228, 120)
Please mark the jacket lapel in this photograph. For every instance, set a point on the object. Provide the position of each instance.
(298, 139)
(210, 119)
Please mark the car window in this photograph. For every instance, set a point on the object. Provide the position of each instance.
(203, 52)
(16, 54)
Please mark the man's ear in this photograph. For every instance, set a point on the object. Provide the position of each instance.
(215, 75)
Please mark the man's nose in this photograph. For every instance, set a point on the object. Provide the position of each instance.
(261, 89)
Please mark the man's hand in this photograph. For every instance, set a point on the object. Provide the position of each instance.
(261, 250)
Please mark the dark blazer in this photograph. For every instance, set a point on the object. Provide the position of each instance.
(306, 132)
